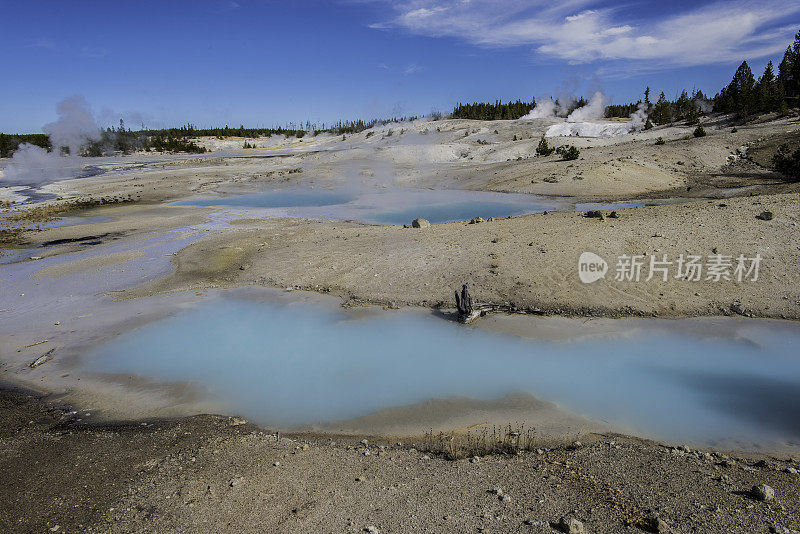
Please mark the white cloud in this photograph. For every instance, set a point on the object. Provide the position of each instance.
(578, 31)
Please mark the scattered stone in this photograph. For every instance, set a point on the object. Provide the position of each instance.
(43, 359)
(737, 307)
(594, 214)
(571, 526)
(497, 490)
(791, 470)
(234, 481)
(276, 464)
(364, 442)
(371, 529)
(420, 223)
(476, 220)
(305, 447)
(36, 258)
(762, 492)
(506, 498)
(765, 216)
(360, 479)
(659, 526)
(236, 421)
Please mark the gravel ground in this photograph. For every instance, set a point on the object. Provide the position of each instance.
(210, 473)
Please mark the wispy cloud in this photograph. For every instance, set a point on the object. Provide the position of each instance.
(91, 51)
(411, 68)
(41, 43)
(583, 31)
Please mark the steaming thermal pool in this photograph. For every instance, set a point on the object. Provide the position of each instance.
(289, 363)
(392, 206)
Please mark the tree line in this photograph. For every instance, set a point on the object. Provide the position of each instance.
(487, 111)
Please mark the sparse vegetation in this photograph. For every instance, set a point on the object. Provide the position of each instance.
(787, 162)
(568, 152)
(543, 149)
(481, 442)
(699, 131)
(660, 141)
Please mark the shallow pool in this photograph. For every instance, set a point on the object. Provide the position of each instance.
(391, 206)
(288, 364)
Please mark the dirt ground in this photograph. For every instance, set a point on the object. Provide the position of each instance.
(211, 473)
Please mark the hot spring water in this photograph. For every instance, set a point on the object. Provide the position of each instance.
(392, 206)
(288, 364)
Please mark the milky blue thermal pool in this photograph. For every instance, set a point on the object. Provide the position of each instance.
(299, 363)
(391, 206)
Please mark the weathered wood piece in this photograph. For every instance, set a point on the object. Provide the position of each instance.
(468, 310)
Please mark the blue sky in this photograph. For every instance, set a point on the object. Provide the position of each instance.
(264, 62)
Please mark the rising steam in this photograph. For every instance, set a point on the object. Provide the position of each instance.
(75, 127)
(585, 121)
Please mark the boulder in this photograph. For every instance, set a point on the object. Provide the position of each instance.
(420, 223)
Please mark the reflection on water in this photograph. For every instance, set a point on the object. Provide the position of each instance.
(394, 206)
(292, 364)
(274, 199)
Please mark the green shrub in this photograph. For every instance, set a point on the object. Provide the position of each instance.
(787, 162)
(544, 149)
(648, 125)
(568, 152)
(660, 141)
(699, 131)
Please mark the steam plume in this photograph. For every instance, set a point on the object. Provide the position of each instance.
(33, 165)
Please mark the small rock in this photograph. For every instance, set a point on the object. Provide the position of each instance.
(43, 359)
(659, 526)
(765, 216)
(571, 526)
(791, 470)
(364, 442)
(594, 214)
(420, 223)
(236, 421)
(737, 307)
(613, 215)
(497, 490)
(359, 479)
(371, 529)
(276, 464)
(305, 447)
(762, 492)
(234, 481)
(476, 220)
(506, 498)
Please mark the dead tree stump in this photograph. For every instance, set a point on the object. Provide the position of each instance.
(466, 311)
